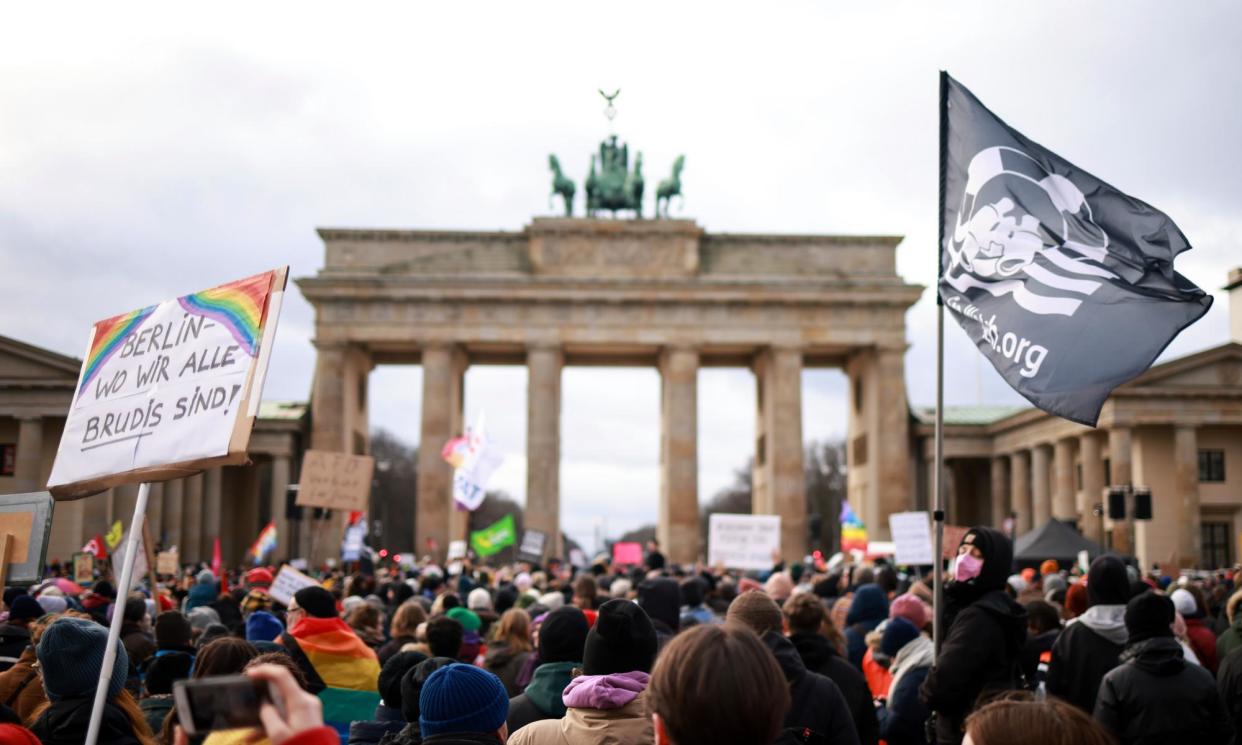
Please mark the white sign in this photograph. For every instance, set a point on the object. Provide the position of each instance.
(457, 550)
(577, 558)
(1084, 561)
(141, 567)
(532, 545)
(169, 388)
(288, 581)
(351, 547)
(743, 541)
(911, 532)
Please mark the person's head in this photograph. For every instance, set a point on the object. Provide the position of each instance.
(227, 655)
(412, 684)
(513, 630)
(479, 599)
(562, 635)
(391, 674)
(898, 632)
(1149, 616)
(1050, 566)
(660, 597)
(911, 608)
(469, 620)
(756, 611)
(984, 558)
(585, 590)
(280, 659)
(205, 577)
(165, 670)
(312, 602)
(621, 641)
(805, 613)
(172, 630)
(1042, 617)
(364, 618)
(409, 616)
(1050, 722)
(25, 609)
(1075, 600)
(1107, 582)
(444, 636)
(262, 626)
(717, 685)
(779, 587)
(259, 577)
(211, 633)
(693, 591)
(870, 603)
(71, 653)
(461, 698)
(202, 617)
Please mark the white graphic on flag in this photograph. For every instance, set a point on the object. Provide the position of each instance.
(1040, 249)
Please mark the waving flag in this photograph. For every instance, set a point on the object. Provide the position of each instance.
(853, 531)
(474, 458)
(114, 536)
(1064, 283)
(264, 544)
(96, 546)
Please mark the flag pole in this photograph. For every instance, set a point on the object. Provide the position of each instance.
(118, 613)
(938, 477)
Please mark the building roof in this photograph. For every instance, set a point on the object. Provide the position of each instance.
(967, 415)
(287, 410)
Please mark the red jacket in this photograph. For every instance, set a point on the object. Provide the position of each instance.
(317, 736)
(1203, 642)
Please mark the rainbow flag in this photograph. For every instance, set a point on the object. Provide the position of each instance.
(853, 532)
(264, 544)
(348, 668)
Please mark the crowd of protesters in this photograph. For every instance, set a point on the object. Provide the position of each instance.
(820, 652)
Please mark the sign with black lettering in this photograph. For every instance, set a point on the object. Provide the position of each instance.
(337, 481)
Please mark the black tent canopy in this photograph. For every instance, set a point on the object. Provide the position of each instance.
(1053, 540)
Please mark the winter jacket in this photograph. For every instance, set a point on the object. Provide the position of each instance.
(600, 710)
(505, 664)
(1035, 648)
(1231, 639)
(542, 698)
(409, 735)
(13, 641)
(1203, 642)
(1155, 696)
(394, 646)
(981, 654)
(155, 709)
(819, 656)
(65, 723)
(370, 732)
(21, 686)
(868, 608)
(816, 704)
(903, 715)
(464, 738)
(1088, 648)
(878, 677)
(1229, 684)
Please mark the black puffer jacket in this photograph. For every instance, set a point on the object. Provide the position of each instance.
(982, 651)
(819, 656)
(1091, 646)
(1155, 696)
(816, 704)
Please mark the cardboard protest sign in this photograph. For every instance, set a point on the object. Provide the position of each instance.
(168, 562)
(337, 481)
(912, 534)
(287, 582)
(743, 541)
(627, 553)
(28, 519)
(170, 389)
(531, 548)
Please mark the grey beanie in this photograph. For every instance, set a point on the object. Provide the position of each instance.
(205, 577)
(71, 654)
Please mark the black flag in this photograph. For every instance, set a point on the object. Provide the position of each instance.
(1065, 283)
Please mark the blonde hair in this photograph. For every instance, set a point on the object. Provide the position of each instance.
(513, 630)
(406, 620)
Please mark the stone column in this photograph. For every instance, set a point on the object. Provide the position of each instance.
(543, 444)
(28, 463)
(192, 520)
(1000, 491)
(280, 490)
(212, 507)
(1063, 503)
(678, 526)
(1186, 484)
(442, 400)
(1041, 494)
(174, 493)
(1093, 478)
(1020, 488)
(1119, 462)
(779, 484)
(890, 438)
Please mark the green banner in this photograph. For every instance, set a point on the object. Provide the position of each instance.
(495, 537)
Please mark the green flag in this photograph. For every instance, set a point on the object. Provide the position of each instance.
(494, 537)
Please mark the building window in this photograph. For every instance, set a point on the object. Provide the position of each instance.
(1108, 472)
(1217, 548)
(8, 459)
(1211, 466)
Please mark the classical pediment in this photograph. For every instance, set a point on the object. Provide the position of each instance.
(23, 364)
(1215, 368)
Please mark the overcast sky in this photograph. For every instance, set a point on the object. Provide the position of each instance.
(154, 151)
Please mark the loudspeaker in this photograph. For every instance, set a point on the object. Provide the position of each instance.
(1142, 504)
(1116, 503)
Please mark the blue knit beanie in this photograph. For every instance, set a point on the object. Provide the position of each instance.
(71, 654)
(898, 633)
(262, 626)
(462, 698)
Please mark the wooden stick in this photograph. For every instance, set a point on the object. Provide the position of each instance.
(151, 573)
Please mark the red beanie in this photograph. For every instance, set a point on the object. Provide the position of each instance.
(15, 734)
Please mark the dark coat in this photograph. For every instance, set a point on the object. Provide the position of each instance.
(505, 664)
(542, 698)
(65, 723)
(463, 738)
(13, 641)
(1035, 647)
(410, 735)
(1155, 696)
(867, 610)
(904, 715)
(393, 646)
(1229, 684)
(1080, 660)
(819, 656)
(155, 709)
(816, 704)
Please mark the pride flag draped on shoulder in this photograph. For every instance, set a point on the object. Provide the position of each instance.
(1064, 283)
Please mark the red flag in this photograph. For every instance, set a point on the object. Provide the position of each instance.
(354, 517)
(216, 563)
(96, 546)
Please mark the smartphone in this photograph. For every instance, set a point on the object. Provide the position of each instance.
(220, 702)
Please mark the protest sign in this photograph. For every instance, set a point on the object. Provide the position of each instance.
(627, 554)
(351, 547)
(337, 481)
(168, 562)
(495, 537)
(84, 568)
(532, 545)
(912, 536)
(577, 558)
(474, 458)
(26, 520)
(743, 541)
(170, 389)
(457, 550)
(287, 582)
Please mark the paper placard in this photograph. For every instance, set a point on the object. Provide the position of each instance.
(743, 541)
(911, 533)
(531, 548)
(577, 558)
(337, 481)
(168, 562)
(457, 550)
(629, 554)
(168, 390)
(287, 582)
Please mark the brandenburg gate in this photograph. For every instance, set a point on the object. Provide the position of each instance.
(662, 293)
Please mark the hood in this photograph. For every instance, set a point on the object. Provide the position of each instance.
(1012, 617)
(1161, 656)
(786, 655)
(1107, 582)
(604, 691)
(997, 552)
(1109, 621)
(660, 597)
(548, 684)
(869, 604)
(815, 650)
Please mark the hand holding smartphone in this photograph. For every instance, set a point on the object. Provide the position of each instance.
(222, 702)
